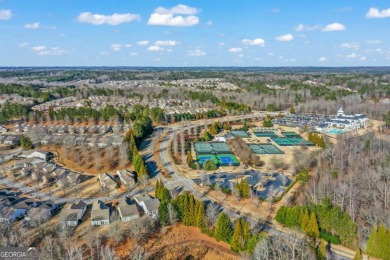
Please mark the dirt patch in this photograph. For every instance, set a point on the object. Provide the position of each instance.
(87, 159)
(179, 242)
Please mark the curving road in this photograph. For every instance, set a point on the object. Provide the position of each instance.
(339, 253)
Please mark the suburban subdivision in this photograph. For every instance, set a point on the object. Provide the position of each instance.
(195, 164)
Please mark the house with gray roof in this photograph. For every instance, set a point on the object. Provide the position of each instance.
(107, 181)
(72, 215)
(127, 210)
(100, 214)
(126, 177)
(148, 204)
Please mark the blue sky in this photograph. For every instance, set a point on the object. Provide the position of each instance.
(194, 33)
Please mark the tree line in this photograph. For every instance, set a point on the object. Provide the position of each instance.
(191, 212)
(243, 151)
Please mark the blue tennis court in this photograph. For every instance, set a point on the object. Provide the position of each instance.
(227, 159)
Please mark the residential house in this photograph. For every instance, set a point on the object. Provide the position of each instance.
(104, 142)
(2, 138)
(73, 178)
(41, 213)
(72, 216)
(126, 177)
(12, 140)
(46, 139)
(148, 204)
(91, 141)
(63, 129)
(92, 129)
(127, 210)
(107, 181)
(69, 140)
(10, 214)
(117, 128)
(117, 140)
(79, 140)
(100, 214)
(82, 130)
(3, 129)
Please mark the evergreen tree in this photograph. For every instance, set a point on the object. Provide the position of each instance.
(321, 251)
(240, 236)
(189, 158)
(236, 244)
(245, 189)
(312, 228)
(163, 213)
(372, 242)
(223, 229)
(292, 110)
(281, 215)
(382, 246)
(142, 171)
(358, 254)
(165, 195)
(304, 220)
(137, 161)
(158, 189)
(200, 215)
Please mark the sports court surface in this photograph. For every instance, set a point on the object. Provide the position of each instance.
(265, 149)
(212, 148)
(265, 134)
(240, 133)
(227, 160)
(291, 141)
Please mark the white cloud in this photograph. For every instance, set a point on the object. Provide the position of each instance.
(166, 43)
(376, 13)
(116, 47)
(5, 14)
(143, 42)
(23, 45)
(222, 43)
(209, 23)
(352, 55)
(254, 42)
(114, 19)
(133, 53)
(374, 42)
(302, 27)
(322, 59)
(180, 15)
(334, 27)
(43, 50)
(196, 53)
(274, 10)
(155, 48)
(127, 45)
(363, 58)
(32, 26)
(285, 38)
(235, 50)
(350, 45)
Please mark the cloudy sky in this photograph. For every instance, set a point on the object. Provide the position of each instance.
(194, 33)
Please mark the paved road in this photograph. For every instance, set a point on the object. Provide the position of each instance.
(178, 178)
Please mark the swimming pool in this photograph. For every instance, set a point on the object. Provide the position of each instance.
(335, 131)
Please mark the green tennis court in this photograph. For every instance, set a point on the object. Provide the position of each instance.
(227, 160)
(204, 157)
(265, 149)
(203, 148)
(220, 147)
(265, 134)
(291, 134)
(240, 133)
(291, 141)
